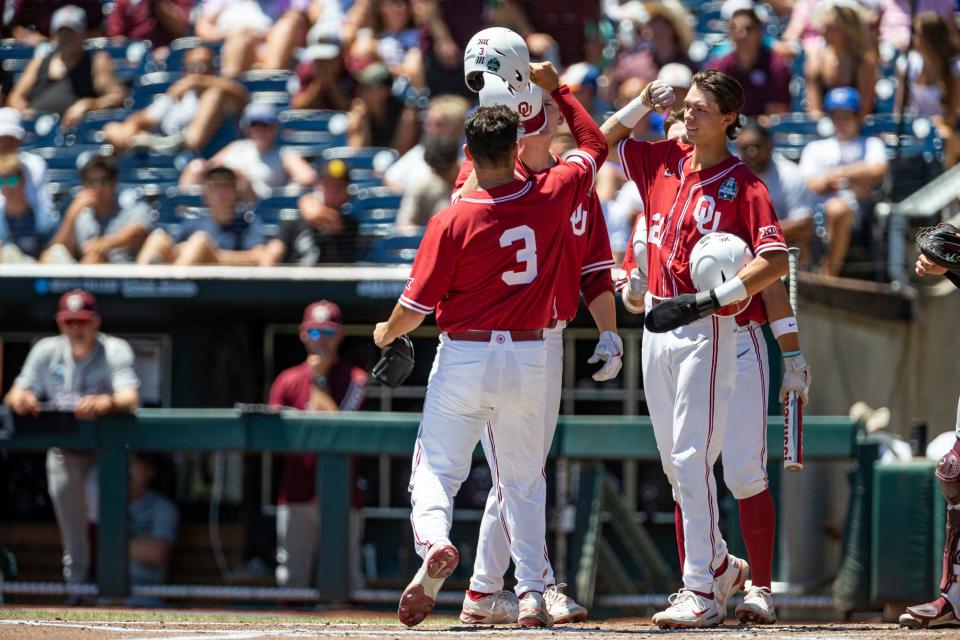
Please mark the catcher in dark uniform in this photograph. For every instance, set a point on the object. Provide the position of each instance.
(940, 256)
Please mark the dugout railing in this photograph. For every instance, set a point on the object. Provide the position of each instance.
(580, 441)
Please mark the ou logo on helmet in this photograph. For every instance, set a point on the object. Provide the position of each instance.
(706, 214)
(524, 109)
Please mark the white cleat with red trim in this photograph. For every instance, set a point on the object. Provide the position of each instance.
(561, 607)
(420, 596)
(502, 607)
(533, 611)
(688, 610)
(730, 581)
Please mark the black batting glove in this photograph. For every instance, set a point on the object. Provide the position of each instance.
(680, 311)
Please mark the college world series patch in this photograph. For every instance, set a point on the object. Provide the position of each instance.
(728, 190)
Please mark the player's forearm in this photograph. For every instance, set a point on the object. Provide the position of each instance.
(763, 271)
(402, 321)
(585, 131)
(776, 302)
(614, 131)
(604, 312)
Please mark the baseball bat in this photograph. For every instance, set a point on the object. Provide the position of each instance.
(793, 409)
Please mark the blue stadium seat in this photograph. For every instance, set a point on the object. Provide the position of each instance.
(375, 158)
(175, 205)
(374, 198)
(792, 131)
(256, 81)
(399, 248)
(148, 175)
(90, 129)
(147, 159)
(313, 127)
(41, 131)
(68, 157)
(178, 48)
(149, 85)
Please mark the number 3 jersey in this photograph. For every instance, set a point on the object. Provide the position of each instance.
(491, 259)
(683, 205)
(588, 258)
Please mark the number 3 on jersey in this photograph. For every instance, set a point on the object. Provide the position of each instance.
(526, 255)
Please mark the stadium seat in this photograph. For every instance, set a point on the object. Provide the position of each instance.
(178, 48)
(149, 85)
(313, 127)
(375, 158)
(175, 205)
(792, 131)
(364, 199)
(277, 206)
(41, 131)
(69, 157)
(148, 175)
(129, 57)
(90, 129)
(399, 248)
(259, 80)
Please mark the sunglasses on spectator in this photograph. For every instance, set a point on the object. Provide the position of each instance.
(10, 181)
(196, 67)
(316, 334)
(98, 182)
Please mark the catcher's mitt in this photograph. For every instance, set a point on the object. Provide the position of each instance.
(941, 244)
(396, 363)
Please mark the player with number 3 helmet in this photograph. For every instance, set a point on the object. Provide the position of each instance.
(498, 51)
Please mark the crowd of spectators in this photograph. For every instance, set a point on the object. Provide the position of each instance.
(270, 91)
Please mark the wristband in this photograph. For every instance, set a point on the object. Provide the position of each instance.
(730, 292)
(791, 354)
(631, 114)
(783, 326)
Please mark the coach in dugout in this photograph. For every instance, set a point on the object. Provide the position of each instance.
(89, 374)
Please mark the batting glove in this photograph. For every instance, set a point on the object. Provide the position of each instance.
(610, 350)
(637, 284)
(796, 378)
(658, 95)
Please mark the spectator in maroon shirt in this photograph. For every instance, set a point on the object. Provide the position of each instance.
(765, 76)
(323, 382)
(30, 21)
(159, 21)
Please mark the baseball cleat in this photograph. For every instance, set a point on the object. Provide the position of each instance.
(938, 614)
(730, 581)
(689, 610)
(501, 607)
(533, 611)
(561, 607)
(757, 607)
(420, 596)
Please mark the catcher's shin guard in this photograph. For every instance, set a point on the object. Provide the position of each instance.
(948, 472)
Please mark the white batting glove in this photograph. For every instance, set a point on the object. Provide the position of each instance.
(658, 95)
(796, 377)
(637, 284)
(610, 350)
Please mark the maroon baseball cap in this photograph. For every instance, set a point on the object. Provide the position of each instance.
(77, 305)
(321, 315)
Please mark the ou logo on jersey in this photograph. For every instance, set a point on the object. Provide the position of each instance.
(706, 214)
(524, 108)
(578, 220)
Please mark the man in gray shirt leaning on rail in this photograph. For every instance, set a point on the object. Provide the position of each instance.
(89, 374)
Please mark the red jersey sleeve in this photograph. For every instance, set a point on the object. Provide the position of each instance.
(278, 391)
(592, 146)
(433, 268)
(641, 161)
(597, 258)
(762, 225)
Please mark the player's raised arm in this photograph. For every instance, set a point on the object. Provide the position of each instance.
(656, 95)
(585, 131)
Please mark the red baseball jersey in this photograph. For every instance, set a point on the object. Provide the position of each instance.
(684, 205)
(490, 260)
(588, 259)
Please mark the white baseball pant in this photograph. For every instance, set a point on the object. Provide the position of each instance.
(689, 376)
(493, 550)
(67, 472)
(498, 386)
(745, 444)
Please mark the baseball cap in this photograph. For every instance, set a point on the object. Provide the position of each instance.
(322, 314)
(373, 74)
(69, 17)
(261, 112)
(77, 305)
(842, 99)
(10, 123)
(676, 75)
(580, 75)
(732, 7)
(320, 51)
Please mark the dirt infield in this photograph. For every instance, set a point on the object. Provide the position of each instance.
(92, 624)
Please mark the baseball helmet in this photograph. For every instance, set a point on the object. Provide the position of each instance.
(498, 51)
(528, 103)
(716, 258)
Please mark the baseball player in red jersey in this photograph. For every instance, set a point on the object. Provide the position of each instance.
(690, 372)
(487, 265)
(586, 270)
(744, 453)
